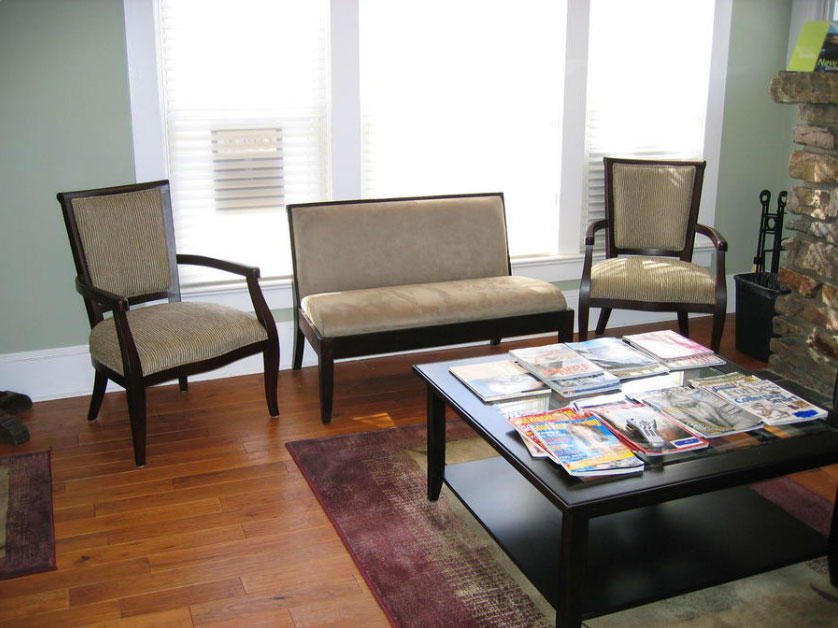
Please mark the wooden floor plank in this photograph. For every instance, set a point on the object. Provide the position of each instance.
(220, 529)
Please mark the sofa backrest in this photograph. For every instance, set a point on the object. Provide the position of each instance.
(351, 245)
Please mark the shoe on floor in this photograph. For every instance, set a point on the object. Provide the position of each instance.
(13, 402)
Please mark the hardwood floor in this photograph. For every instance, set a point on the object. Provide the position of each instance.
(220, 528)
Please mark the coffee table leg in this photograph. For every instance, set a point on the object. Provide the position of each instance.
(436, 443)
(572, 567)
(832, 546)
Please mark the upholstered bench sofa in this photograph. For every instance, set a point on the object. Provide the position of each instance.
(384, 275)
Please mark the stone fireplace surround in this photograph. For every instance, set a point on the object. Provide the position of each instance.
(806, 322)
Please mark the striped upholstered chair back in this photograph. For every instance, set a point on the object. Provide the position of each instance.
(652, 207)
(123, 242)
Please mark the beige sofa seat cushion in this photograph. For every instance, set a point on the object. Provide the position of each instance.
(403, 307)
(655, 279)
(174, 334)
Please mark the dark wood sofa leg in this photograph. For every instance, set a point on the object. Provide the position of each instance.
(183, 382)
(327, 382)
(270, 358)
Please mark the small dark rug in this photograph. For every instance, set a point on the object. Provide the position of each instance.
(432, 565)
(27, 536)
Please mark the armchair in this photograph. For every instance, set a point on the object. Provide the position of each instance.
(651, 212)
(122, 240)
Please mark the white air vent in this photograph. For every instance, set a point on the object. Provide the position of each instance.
(247, 168)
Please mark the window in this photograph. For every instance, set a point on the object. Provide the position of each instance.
(466, 96)
(255, 104)
(648, 78)
(247, 168)
(245, 112)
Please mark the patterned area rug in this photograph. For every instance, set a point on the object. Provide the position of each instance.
(27, 536)
(432, 565)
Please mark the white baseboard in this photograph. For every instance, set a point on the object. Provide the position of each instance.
(67, 372)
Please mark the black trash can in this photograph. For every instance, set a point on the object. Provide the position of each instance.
(755, 297)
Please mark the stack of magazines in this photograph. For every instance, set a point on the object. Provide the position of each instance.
(677, 352)
(619, 358)
(578, 442)
(565, 371)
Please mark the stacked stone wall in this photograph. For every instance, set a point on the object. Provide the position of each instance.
(806, 346)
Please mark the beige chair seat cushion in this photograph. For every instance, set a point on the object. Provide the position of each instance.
(418, 305)
(654, 279)
(173, 334)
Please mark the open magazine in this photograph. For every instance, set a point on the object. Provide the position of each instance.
(499, 379)
(701, 411)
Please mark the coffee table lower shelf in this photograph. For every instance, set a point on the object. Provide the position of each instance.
(638, 556)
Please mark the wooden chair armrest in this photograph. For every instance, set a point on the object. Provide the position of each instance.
(108, 299)
(715, 237)
(219, 264)
(251, 273)
(595, 226)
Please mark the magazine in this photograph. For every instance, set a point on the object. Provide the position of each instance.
(523, 425)
(618, 358)
(698, 362)
(700, 411)
(772, 404)
(581, 444)
(554, 362)
(500, 379)
(596, 383)
(564, 370)
(631, 422)
(667, 345)
(816, 49)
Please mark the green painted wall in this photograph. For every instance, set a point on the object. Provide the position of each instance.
(756, 138)
(65, 125)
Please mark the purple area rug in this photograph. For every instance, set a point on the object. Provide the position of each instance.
(27, 540)
(430, 565)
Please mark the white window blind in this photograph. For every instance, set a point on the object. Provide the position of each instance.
(466, 96)
(245, 89)
(648, 81)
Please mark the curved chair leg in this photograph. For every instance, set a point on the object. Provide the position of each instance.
(100, 382)
(718, 328)
(602, 323)
(270, 357)
(327, 381)
(183, 382)
(136, 411)
(684, 324)
(299, 346)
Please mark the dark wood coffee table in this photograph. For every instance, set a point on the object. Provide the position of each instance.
(596, 547)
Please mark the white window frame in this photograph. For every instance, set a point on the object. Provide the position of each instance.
(345, 157)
